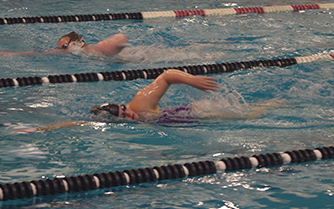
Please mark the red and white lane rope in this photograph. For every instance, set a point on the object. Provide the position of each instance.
(234, 11)
(161, 14)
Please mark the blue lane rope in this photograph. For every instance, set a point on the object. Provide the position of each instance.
(44, 187)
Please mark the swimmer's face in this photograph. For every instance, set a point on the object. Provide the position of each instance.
(63, 43)
(122, 111)
(70, 42)
(127, 113)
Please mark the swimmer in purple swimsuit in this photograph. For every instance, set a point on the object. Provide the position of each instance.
(73, 42)
(144, 105)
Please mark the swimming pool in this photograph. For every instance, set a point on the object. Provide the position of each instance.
(306, 121)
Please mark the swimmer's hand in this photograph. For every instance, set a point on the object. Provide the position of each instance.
(6, 54)
(173, 76)
(204, 83)
(25, 131)
(52, 126)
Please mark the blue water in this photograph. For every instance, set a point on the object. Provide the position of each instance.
(305, 121)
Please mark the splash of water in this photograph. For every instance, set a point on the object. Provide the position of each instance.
(228, 103)
(160, 54)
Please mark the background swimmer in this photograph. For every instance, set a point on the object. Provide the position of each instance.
(117, 49)
(74, 43)
(144, 106)
(110, 46)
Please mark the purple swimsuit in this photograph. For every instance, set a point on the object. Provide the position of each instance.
(183, 114)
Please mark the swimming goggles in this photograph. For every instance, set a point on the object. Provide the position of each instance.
(65, 46)
(112, 109)
(123, 107)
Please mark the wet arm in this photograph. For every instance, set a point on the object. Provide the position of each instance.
(203, 83)
(110, 46)
(149, 97)
(17, 53)
(50, 51)
(66, 124)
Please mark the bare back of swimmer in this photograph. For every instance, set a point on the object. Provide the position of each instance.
(73, 42)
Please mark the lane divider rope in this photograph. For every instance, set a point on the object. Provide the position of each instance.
(161, 14)
(53, 186)
(153, 73)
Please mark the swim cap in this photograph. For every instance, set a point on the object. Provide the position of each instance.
(108, 108)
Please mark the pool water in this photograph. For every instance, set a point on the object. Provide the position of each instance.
(306, 120)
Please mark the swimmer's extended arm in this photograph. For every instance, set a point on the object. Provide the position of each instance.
(51, 51)
(17, 53)
(66, 124)
(148, 98)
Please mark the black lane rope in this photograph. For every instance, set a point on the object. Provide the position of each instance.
(160, 14)
(144, 73)
(153, 73)
(70, 18)
(44, 187)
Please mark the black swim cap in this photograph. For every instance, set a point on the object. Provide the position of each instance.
(110, 108)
